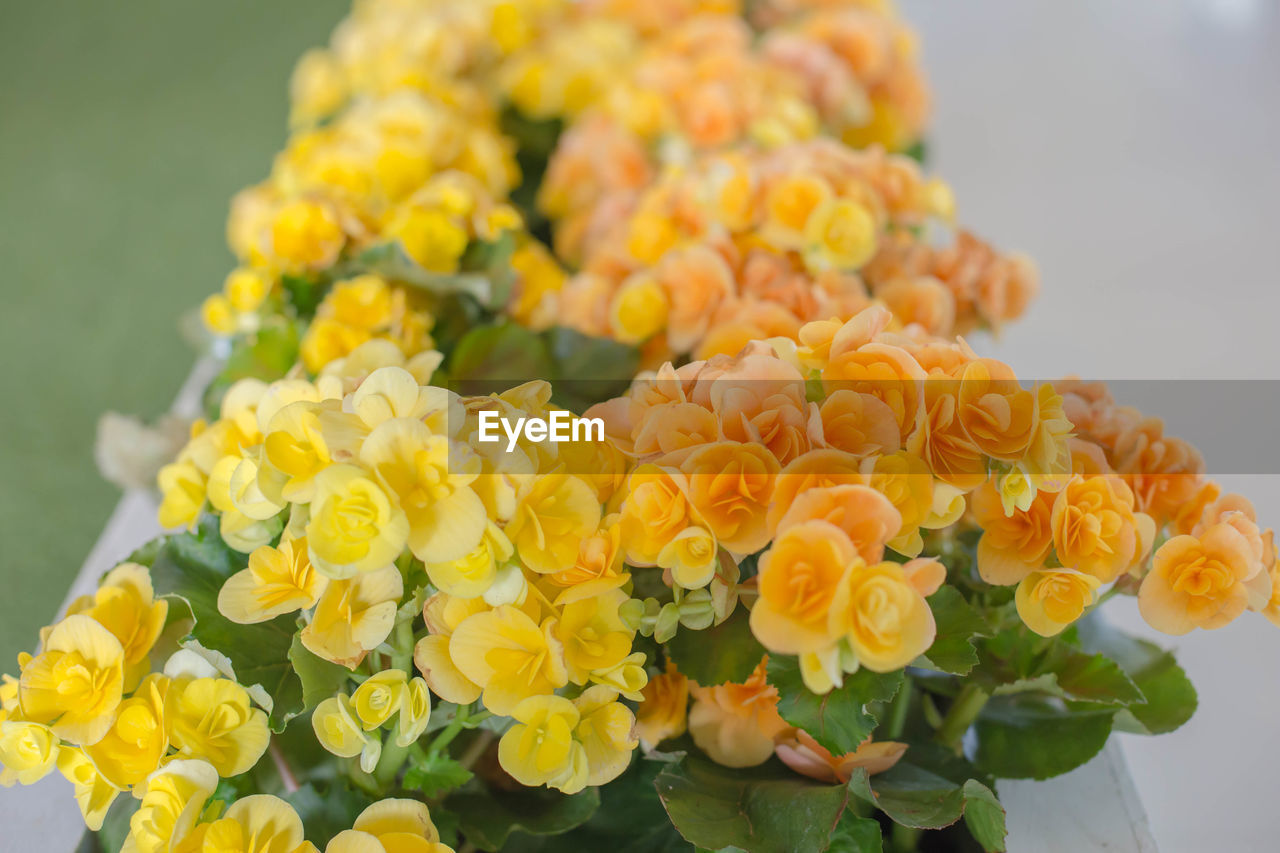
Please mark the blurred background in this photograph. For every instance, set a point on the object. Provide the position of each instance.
(1133, 149)
(124, 130)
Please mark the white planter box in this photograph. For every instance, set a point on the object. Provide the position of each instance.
(1095, 807)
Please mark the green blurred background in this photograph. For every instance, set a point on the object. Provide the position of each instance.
(124, 130)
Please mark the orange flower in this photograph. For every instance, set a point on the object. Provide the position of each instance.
(735, 724)
(696, 279)
(800, 578)
(859, 423)
(998, 414)
(1012, 546)
(1050, 600)
(816, 469)
(865, 516)
(1203, 582)
(664, 708)
(942, 440)
(731, 486)
(888, 622)
(1095, 528)
(760, 399)
(799, 751)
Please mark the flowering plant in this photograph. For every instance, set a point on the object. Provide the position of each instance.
(815, 574)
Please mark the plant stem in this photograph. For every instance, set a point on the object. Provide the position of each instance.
(476, 748)
(904, 839)
(402, 645)
(287, 777)
(363, 780)
(960, 716)
(389, 764)
(898, 710)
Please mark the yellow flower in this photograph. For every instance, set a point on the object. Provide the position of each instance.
(217, 314)
(639, 309)
(889, 624)
(94, 794)
(790, 205)
(654, 513)
(731, 485)
(551, 520)
(593, 634)
(391, 826)
(379, 697)
(509, 655)
(840, 235)
(472, 574)
(28, 752)
(337, 728)
(1051, 599)
(443, 613)
(138, 738)
(354, 616)
(259, 823)
(302, 439)
(664, 708)
(691, 556)
(430, 237)
(305, 235)
(363, 302)
(415, 712)
(1095, 527)
(182, 491)
(445, 517)
(628, 677)
(540, 749)
(355, 527)
(246, 289)
(327, 341)
(607, 731)
(125, 604)
(277, 581)
(212, 719)
(75, 684)
(172, 800)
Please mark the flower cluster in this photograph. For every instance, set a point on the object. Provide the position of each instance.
(750, 245)
(89, 705)
(179, 812)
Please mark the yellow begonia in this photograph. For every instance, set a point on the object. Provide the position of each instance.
(259, 823)
(430, 237)
(172, 800)
(337, 728)
(354, 616)
(182, 494)
(443, 613)
(303, 438)
(691, 556)
(94, 794)
(1050, 600)
(551, 520)
(886, 619)
(840, 235)
(125, 604)
(593, 636)
(378, 697)
(76, 683)
(509, 655)
(446, 519)
(540, 749)
(28, 752)
(472, 574)
(305, 235)
(212, 719)
(607, 731)
(628, 677)
(355, 527)
(278, 580)
(415, 712)
(391, 826)
(132, 749)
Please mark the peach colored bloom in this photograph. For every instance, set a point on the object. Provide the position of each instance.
(865, 516)
(664, 707)
(799, 751)
(1012, 546)
(1095, 527)
(813, 470)
(1203, 582)
(800, 579)
(731, 485)
(735, 724)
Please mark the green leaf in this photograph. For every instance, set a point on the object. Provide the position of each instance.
(390, 261)
(1032, 737)
(1169, 699)
(488, 818)
(838, 720)
(958, 624)
(765, 809)
(504, 354)
(192, 567)
(327, 810)
(115, 826)
(722, 653)
(631, 817)
(931, 788)
(589, 369)
(434, 774)
(267, 354)
(856, 834)
(320, 678)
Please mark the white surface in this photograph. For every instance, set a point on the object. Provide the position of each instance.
(1133, 148)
